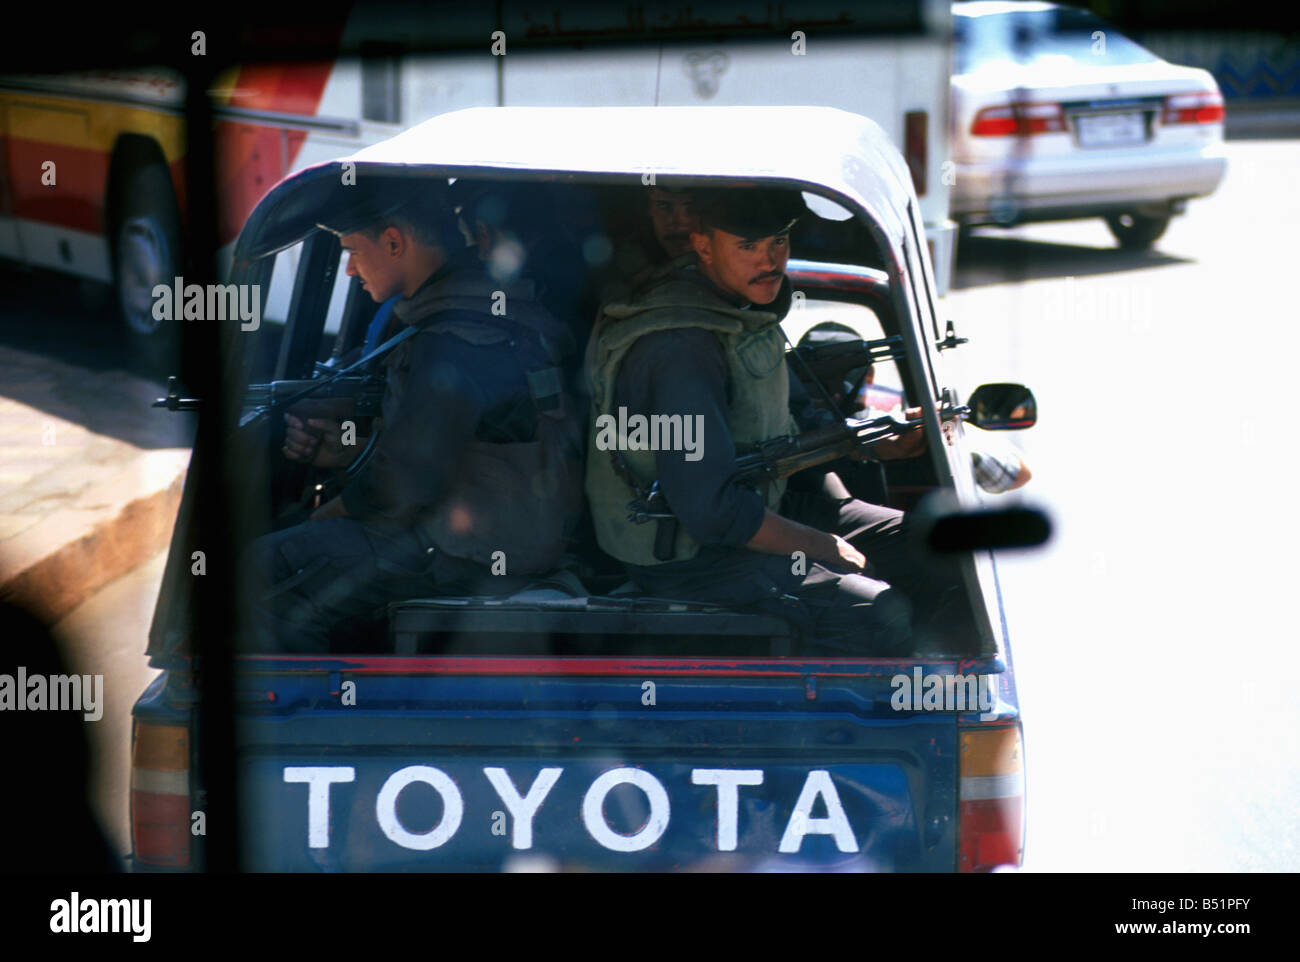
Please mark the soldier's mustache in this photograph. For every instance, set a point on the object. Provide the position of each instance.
(770, 275)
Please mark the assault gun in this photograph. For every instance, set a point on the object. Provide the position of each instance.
(350, 396)
(334, 393)
(770, 460)
(831, 362)
(784, 456)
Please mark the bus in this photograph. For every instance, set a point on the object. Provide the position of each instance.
(91, 163)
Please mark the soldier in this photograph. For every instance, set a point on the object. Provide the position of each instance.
(662, 237)
(704, 341)
(663, 242)
(475, 470)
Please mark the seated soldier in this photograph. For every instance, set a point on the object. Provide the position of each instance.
(662, 236)
(475, 472)
(703, 341)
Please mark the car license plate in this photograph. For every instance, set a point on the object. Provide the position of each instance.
(1110, 130)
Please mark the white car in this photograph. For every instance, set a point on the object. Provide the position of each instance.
(1058, 116)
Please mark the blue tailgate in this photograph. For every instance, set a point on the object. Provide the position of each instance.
(429, 772)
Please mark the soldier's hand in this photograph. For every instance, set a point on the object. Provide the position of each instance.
(913, 414)
(909, 445)
(841, 554)
(317, 441)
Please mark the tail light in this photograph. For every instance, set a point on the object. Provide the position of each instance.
(160, 794)
(1205, 107)
(991, 831)
(1018, 120)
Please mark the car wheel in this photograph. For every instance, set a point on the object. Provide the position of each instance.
(1136, 232)
(146, 252)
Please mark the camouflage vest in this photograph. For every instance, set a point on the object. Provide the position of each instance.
(758, 406)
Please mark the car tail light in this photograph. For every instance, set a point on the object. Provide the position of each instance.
(1018, 120)
(1205, 107)
(991, 830)
(160, 794)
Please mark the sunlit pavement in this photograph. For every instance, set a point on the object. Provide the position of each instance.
(90, 473)
(1153, 638)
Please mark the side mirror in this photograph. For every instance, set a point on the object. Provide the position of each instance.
(1002, 407)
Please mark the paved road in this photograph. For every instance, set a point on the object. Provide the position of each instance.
(1153, 639)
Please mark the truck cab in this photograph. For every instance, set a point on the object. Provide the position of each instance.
(575, 724)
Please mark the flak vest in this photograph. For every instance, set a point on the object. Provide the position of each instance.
(757, 410)
(521, 498)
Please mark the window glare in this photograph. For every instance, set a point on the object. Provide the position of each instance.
(1040, 34)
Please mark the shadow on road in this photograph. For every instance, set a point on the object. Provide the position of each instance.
(997, 259)
(65, 318)
(63, 352)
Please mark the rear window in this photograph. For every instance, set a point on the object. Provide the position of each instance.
(1039, 35)
(586, 606)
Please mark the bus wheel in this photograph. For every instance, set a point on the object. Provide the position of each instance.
(147, 253)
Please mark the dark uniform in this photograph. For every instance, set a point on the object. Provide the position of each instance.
(524, 217)
(682, 346)
(480, 453)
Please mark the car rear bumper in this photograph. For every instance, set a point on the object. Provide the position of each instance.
(1031, 189)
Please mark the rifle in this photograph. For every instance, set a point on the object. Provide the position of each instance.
(829, 363)
(780, 458)
(351, 396)
(784, 456)
(342, 393)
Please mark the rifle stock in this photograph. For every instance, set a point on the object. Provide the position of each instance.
(358, 396)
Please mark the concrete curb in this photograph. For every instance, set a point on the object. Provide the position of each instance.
(115, 526)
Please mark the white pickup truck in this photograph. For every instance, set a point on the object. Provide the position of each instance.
(655, 734)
